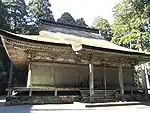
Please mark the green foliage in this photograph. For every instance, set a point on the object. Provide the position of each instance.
(128, 26)
(142, 6)
(66, 18)
(40, 9)
(3, 19)
(16, 15)
(104, 26)
(81, 23)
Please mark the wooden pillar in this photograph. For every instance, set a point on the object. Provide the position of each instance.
(77, 76)
(30, 92)
(55, 92)
(54, 78)
(121, 81)
(29, 75)
(91, 79)
(105, 79)
(53, 71)
(10, 80)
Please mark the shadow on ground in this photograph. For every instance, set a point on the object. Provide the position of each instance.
(146, 103)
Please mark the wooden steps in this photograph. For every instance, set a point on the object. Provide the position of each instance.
(99, 96)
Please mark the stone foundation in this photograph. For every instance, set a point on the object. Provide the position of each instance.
(84, 97)
(30, 100)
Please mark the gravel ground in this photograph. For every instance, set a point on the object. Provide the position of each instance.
(73, 108)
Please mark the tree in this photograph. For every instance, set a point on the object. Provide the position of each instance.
(66, 18)
(40, 9)
(81, 23)
(131, 19)
(142, 6)
(16, 15)
(104, 26)
(128, 26)
(3, 15)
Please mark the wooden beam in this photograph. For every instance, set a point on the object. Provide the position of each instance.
(10, 79)
(121, 81)
(91, 79)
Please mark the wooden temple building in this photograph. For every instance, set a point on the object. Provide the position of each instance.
(66, 58)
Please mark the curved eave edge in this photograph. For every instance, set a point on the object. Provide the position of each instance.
(8, 34)
(12, 35)
(3, 43)
(7, 52)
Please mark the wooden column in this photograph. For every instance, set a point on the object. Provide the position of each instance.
(10, 80)
(55, 92)
(54, 81)
(30, 92)
(77, 76)
(29, 75)
(53, 70)
(91, 79)
(105, 79)
(121, 80)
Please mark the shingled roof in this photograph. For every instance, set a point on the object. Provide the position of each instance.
(57, 35)
(70, 29)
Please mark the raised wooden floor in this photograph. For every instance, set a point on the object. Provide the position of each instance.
(43, 89)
